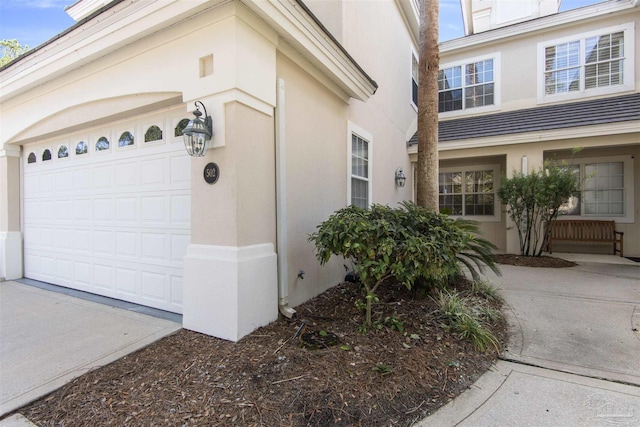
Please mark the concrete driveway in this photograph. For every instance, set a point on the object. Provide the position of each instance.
(48, 338)
(574, 353)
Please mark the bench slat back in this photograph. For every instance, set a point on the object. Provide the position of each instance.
(583, 230)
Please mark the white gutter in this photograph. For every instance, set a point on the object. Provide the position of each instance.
(281, 204)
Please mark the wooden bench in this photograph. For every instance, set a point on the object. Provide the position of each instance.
(586, 231)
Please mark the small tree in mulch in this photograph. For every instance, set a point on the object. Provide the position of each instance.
(534, 200)
(400, 246)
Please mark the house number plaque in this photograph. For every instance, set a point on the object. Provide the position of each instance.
(211, 173)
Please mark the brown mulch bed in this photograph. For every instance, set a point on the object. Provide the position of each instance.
(534, 261)
(380, 378)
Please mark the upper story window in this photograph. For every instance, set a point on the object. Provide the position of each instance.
(470, 84)
(589, 64)
(414, 79)
(360, 167)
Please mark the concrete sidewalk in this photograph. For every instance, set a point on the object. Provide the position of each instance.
(573, 357)
(49, 338)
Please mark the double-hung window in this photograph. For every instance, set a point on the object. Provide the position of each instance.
(591, 64)
(360, 167)
(606, 189)
(469, 191)
(467, 85)
(414, 79)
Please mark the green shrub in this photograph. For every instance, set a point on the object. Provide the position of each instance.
(401, 245)
(534, 200)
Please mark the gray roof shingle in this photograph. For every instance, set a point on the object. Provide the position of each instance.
(583, 113)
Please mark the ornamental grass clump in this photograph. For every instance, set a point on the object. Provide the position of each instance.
(401, 246)
(468, 316)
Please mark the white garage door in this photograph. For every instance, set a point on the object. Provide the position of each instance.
(108, 213)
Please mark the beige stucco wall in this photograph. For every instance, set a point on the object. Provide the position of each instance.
(10, 193)
(502, 234)
(519, 56)
(389, 115)
(239, 209)
(316, 168)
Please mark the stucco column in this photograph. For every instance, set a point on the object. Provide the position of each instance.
(10, 235)
(520, 160)
(230, 270)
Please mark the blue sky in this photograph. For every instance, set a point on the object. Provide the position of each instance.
(33, 22)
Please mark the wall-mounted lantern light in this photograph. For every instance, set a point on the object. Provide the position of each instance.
(401, 179)
(198, 133)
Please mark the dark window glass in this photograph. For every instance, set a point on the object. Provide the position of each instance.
(81, 148)
(102, 144)
(154, 133)
(46, 155)
(180, 127)
(31, 158)
(126, 139)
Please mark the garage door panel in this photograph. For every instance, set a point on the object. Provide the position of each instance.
(154, 246)
(126, 210)
(64, 181)
(179, 245)
(82, 180)
(82, 274)
(82, 212)
(155, 286)
(64, 211)
(62, 238)
(154, 210)
(180, 210)
(81, 240)
(103, 276)
(126, 176)
(114, 222)
(46, 184)
(127, 244)
(176, 290)
(103, 242)
(153, 174)
(103, 178)
(128, 281)
(102, 210)
(180, 171)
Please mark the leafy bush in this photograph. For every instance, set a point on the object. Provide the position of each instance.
(403, 245)
(534, 200)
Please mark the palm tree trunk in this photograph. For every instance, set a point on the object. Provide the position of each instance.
(427, 172)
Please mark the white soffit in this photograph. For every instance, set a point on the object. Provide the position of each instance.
(117, 26)
(523, 29)
(298, 28)
(83, 8)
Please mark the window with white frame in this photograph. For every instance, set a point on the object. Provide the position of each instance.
(359, 171)
(415, 72)
(607, 189)
(469, 191)
(468, 85)
(359, 166)
(589, 64)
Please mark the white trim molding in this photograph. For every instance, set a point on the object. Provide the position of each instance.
(10, 255)
(497, 84)
(229, 291)
(627, 72)
(353, 129)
